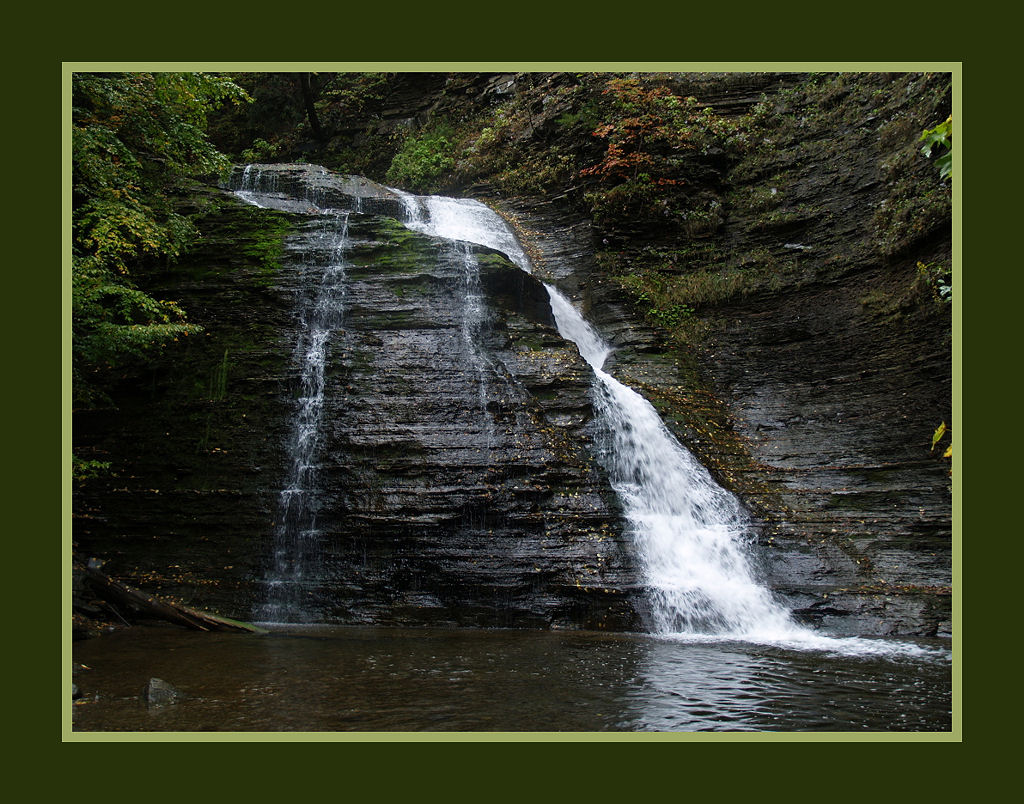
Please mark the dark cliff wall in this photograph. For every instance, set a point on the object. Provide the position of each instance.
(455, 482)
(816, 362)
(818, 412)
(194, 438)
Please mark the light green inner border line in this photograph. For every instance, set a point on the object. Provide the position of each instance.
(956, 732)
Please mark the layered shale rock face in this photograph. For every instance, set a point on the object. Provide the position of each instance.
(456, 483)
(453, 478)
(813, 389)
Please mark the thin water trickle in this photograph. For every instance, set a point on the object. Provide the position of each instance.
(297, 547)
(465, 222)
(474, 318)
(296, 539)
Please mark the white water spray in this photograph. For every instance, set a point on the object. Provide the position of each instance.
(462, 219)
(689, 532)
(297, 548)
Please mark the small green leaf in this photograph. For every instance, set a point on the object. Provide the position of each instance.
(940, 140)
(940, 431)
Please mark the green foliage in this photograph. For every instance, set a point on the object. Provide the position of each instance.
(937, 280)
(348, 95)
(276, 125)
(937, 436)
(86, 470)
(939, 140)
(635, 197)
(586, 118)
(112, 321)
(423, 159)
(136, 137)
(137, 131)
(670, 316)
(655, 295)
(646, 121)
(649, 131)
(276, 111)
(260, 151)
(913, 209)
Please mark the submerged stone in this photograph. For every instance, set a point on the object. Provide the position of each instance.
(161, 693)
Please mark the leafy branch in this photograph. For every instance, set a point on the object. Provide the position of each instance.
(939, 140)
(135, 138)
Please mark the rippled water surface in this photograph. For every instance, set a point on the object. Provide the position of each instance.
(374, 679)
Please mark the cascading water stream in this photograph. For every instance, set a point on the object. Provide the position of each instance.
(296, 538)
(464, 222)
(691, 535)
(688, 531)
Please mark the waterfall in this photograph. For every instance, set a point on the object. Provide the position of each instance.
(463, 219)
(253, 183)
(296, 538)
(297, 550)
(464, 222)
(690, 534)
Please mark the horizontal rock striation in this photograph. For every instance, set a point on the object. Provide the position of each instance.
(454, 481)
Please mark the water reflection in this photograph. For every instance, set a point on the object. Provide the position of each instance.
(353, 679)
(736, 686)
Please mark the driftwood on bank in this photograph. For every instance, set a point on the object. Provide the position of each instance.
(125, 597)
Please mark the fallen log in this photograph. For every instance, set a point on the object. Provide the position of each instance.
(122, 595)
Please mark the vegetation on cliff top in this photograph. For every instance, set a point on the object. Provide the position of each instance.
(696, 204)
(696, 201)
(136, 138)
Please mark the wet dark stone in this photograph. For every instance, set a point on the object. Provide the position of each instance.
(457, 484)
(161, 693)
(301, 188)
